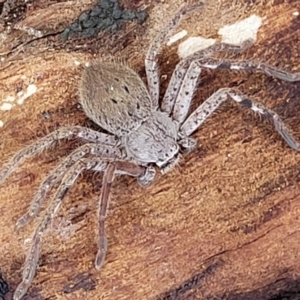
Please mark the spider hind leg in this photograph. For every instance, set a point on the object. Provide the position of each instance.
(110, 166)
(59, 171)
(51, 139)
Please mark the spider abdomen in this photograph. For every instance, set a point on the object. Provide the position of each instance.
(114, 96)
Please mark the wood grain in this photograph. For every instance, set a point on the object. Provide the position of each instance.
(223, 225)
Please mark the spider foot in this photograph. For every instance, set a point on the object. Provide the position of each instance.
(187, 145)
(24, 220)
(29, 268)
(100, 257)
(148, 177)
(21, 290)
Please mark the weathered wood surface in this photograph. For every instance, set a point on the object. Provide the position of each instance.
(224, 224)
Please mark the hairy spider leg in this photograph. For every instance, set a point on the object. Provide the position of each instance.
(213, 102)
(151, 60)
(116, 167)
(70, 176)
(185, 96)
(104, 199)
(51, 139)
(182, 67)
(186, 93)
(35, 247)
(56, 174)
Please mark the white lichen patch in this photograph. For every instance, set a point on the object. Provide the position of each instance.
(176, 37)
(9, 99)
(192, 45)
(9, 102)
(241, 31)
(31, 89)
(296, 13)
(6, 106)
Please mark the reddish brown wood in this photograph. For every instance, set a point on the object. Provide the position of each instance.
(225, 223)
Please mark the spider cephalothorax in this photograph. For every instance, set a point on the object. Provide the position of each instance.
(143, 134)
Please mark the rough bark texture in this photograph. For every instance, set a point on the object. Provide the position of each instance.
(223, 225)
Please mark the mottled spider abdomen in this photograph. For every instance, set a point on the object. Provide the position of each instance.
(118, 101)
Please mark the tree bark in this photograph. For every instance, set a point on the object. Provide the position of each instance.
(224, 224)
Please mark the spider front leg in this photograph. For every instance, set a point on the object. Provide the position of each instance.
(248, 65)
(185, 95)
(151, 60)
(180, 75)
(214, 101)
(57, 173)
(49, 140)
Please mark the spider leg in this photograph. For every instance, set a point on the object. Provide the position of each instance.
(117, 167)
(213, 102)
(57, 173)
(108, 179)
(248, 65)
(181, 70)
(187, 86)
(90, 163)
(186, 92)
(49, 140)
(35, 247)
(151, 60)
